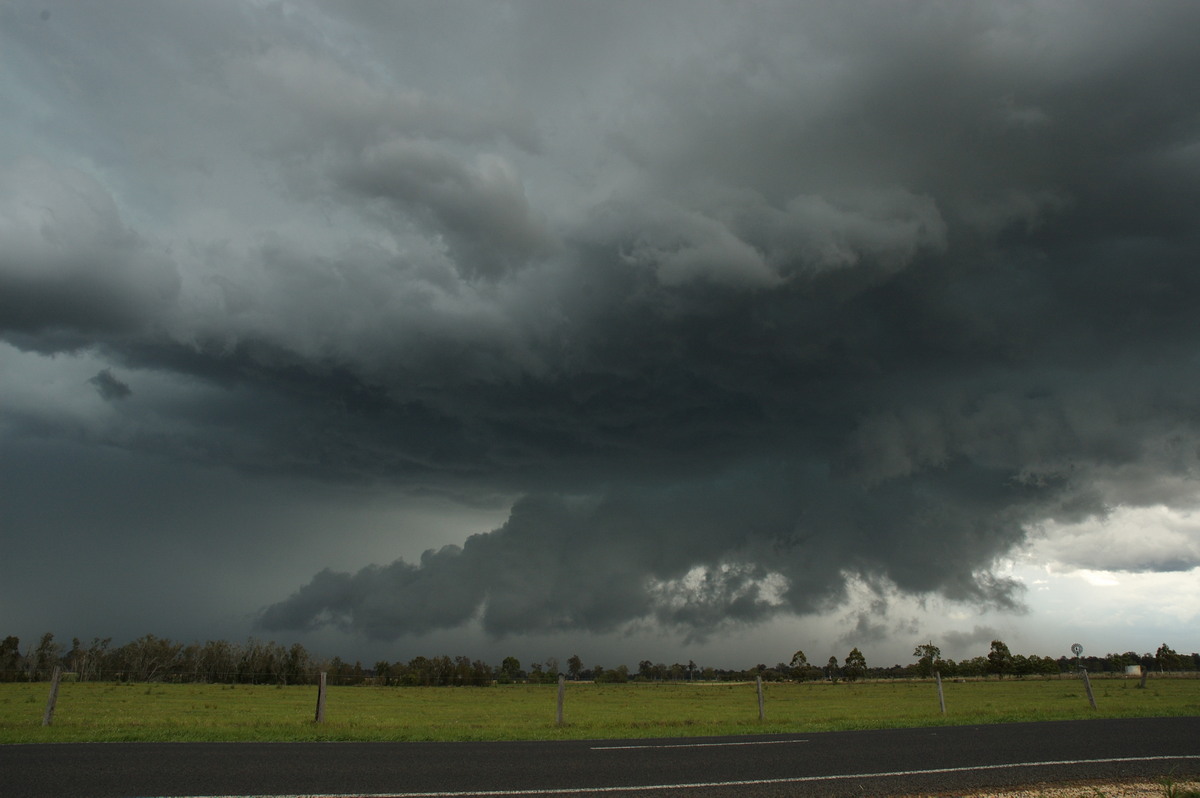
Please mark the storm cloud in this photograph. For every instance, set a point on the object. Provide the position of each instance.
(733, 309)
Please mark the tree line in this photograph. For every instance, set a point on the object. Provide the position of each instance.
(155, 659)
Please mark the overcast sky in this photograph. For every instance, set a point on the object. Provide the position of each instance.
(668, 330)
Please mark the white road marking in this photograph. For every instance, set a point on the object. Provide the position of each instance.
(713, 784)
(694, 745)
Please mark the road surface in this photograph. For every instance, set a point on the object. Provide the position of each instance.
(883, 762)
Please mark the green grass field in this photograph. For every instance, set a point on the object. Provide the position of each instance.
(165, 712)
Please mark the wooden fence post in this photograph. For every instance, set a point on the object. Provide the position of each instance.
(48, 715)
(941, 695)
(320, 718)
(562, 689)
(1087, 684)
(762, 713)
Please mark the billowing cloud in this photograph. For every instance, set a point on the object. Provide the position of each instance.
(1154, 538)
(69, 262)
(480, 209)
(810, 297)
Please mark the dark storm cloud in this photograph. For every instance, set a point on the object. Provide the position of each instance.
(481, 209)
(69, 262)
(826, 294)
(109, 387)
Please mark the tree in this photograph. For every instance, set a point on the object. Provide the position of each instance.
(45, 657)
(91, 663)
(510, 670)
(383, 672)
(1166, 658)
(10, 658)
(856, 664)
(217, 660)
(799, 665)
(298, 667)
(574, 667)
(1000, 659)
(929, 658)
(831, 669)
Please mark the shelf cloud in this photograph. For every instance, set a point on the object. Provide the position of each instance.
(730, 308)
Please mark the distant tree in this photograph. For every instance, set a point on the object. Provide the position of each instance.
(856, 665)
(298, 666)
(92, 664)
(10, 659)
(510, 670)
(646, 670)
(254, 665)
(419, 672)
(383, 673)
(929, 658)
(1020, 665)
(334, 669)
(574, 667)
(1166, 658)
(1044, 666)
(831, 669)
(73, 658)
(799, 665)
(1000, 659)
(442, 669)
(45, 657)
(617, 675)
(217, 660)
(464, 672)
(481, 674)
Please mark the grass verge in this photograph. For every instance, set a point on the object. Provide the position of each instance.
(104, 712)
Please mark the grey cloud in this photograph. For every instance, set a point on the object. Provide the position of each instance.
(979, 637)
(1157, 539)
(826, 294)
(872, 624)
(736, 239)
(695, 556)
(309, 100)
(109, 387)
(480, 208)
(69, 261)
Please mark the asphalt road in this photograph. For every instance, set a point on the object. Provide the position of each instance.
(886, 762)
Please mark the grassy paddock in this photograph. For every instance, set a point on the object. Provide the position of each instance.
(164, 712)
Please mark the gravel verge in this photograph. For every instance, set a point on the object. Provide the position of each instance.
(1102, 789)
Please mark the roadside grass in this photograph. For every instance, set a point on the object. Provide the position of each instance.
(106, 712)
